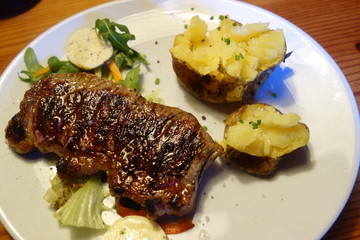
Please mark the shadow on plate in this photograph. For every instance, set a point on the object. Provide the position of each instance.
(293, 163)
(274, 91)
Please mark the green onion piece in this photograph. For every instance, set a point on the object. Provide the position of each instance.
(256, 124)
(227, 41)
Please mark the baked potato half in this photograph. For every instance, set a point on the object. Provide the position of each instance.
(257, 136)
(229, 63)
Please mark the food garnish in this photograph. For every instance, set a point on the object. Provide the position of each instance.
(154, 97)
(177, 226)
(35, 71)
(119, 35)
(115, 71)
(102, 50)
(61, 190)
(86, 49)
(135, 228)
(85, 205)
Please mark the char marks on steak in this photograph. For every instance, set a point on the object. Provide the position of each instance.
(153, 154)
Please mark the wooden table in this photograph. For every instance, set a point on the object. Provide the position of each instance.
(334, 24)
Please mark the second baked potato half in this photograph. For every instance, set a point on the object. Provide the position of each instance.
(229, 63)
(257, 136)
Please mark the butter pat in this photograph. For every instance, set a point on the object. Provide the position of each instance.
(86, 49)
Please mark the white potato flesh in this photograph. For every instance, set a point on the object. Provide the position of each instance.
(86, 49)
(135, 228)
(273, 135)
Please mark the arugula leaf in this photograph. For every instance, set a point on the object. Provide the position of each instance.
(119, 39)
(122, 60)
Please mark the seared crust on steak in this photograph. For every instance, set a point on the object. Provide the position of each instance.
(153, 154)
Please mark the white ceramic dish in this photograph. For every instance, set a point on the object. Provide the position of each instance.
(301, 201)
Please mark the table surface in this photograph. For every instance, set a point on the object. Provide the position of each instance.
(332, 23)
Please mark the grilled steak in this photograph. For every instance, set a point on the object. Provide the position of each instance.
(152, 154)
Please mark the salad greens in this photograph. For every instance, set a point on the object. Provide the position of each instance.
(33, 67)
(154, 97)
(123, 56)
(61, 190)
(132, 78)
(82, 206)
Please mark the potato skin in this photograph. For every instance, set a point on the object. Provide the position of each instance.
(252, 164)
(210, 89)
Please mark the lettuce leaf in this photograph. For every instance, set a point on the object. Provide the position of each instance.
(84, 206)
(154, 97)
(132, 78)
(61, 190)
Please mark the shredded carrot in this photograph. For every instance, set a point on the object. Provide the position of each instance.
(177, 226)
(115, 71)
(42, 71)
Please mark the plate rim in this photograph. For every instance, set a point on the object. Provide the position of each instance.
(350, 95)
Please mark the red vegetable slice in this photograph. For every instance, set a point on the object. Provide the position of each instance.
(176, 226)
(125, 211)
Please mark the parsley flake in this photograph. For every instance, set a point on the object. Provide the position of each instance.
(256, 124)
(239, 56)
(227, 41)
(222, 17)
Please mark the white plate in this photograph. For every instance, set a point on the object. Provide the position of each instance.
(301, 201)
